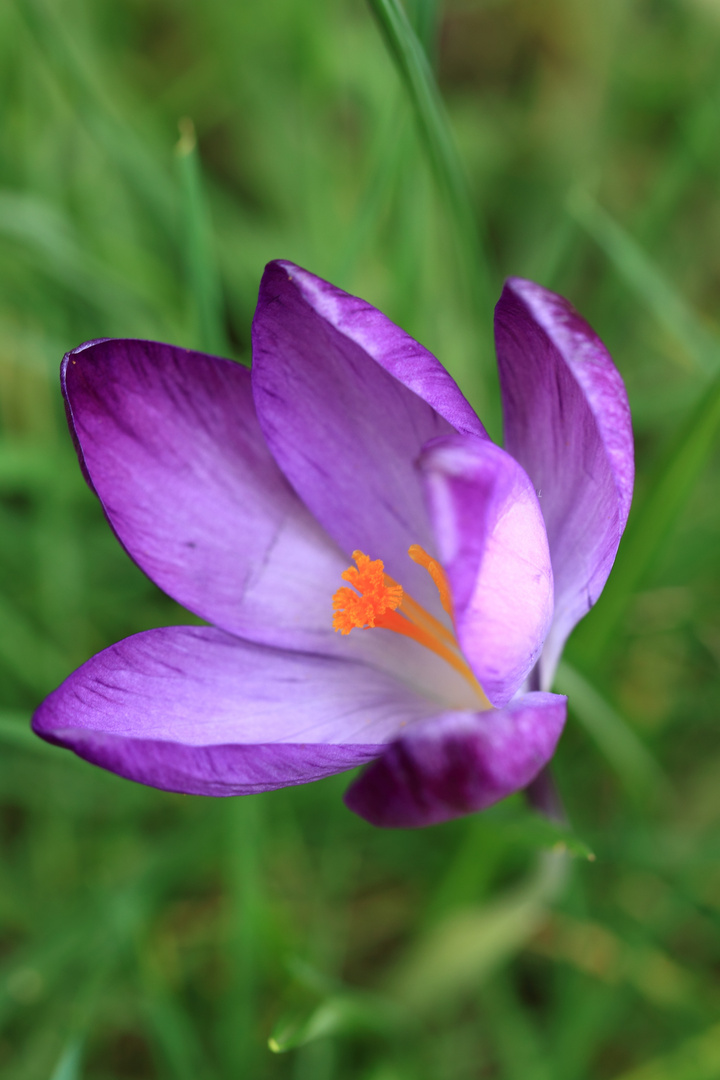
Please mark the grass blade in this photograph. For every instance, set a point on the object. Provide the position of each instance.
(33, 658)
(116, 137)
(654, 520)
(202, 273)
(465, 947)
(340, 1014)
(68, 1067)
(173, 1035)
(424, 14)
(697, 1058)
(48, 236)
(632, 761)
(699, 344)
(15, 731)
(415, 71)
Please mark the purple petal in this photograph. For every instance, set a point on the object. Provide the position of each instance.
(346, 401)
(170, 442)
(458, 763)
(567, 422)
(491, 539)
(196, 710)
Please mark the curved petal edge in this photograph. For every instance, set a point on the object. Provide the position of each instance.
(196, 710)
(216, 771)
(567, 421)
(346, 400)
(491, 538)
(389, 346)
(459, 763)
(169, 441)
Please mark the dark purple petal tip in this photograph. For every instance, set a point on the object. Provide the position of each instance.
(459, 763)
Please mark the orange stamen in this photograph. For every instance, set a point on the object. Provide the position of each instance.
(376, 604)
(393, 621)
(376, 595)
(417, 614)
(436, 572)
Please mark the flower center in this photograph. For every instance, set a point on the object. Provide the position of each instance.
(375, 600)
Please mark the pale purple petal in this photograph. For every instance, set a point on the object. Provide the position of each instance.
(458, 763)
(388, 345)
(567, 422)
(196, 710)
(170, 442)
(492, 544)
(346, 401)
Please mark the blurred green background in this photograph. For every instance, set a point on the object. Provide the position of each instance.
(146, 935)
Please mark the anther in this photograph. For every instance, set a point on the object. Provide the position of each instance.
(377, 595)
(381, 602)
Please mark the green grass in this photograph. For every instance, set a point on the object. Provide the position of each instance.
(146, 935)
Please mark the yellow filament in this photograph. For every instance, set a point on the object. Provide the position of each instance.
(417, 614)
(381, 602)
(393, 621)
(436, 572)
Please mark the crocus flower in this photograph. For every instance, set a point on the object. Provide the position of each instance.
(245, 494)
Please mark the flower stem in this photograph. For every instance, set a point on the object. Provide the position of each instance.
(543, 795)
